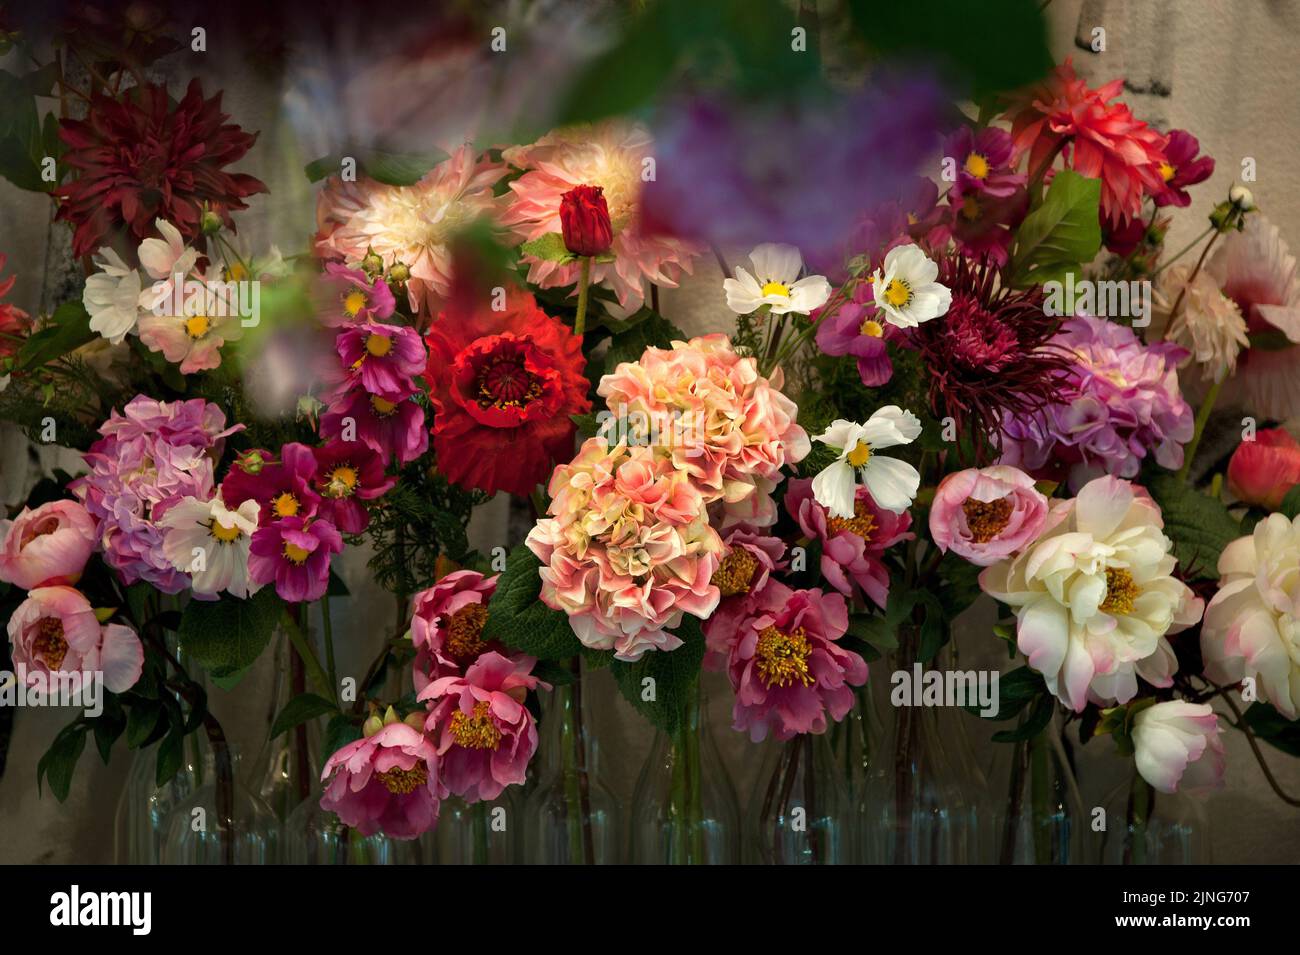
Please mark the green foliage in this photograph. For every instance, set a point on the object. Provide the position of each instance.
(304, 707)
(673, 674)
(1274, 728)
(1290, 505)
(226, 635)
(1199, 525)
(67, 329)
(654, 331)
(25, 140)
(1061, 234)
(549, 248)
(518, 618)
(60, 760)
(393, 169)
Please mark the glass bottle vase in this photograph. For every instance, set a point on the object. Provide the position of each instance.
(316, 836)
(1145, 827)
(800, 812)
(1044, 818)
(221, 825)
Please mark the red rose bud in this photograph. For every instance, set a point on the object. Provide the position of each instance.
(584, 217)
(1262, 471)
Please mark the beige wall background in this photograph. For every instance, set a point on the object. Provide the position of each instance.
(1224, 69)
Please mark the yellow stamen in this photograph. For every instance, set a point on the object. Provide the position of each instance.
(977, 166)
(295, 553)
(986, 519)
(196, 326)
(776, 288)
(379, 345)
(1121, 591)
(861, 523)
(781, 659)
(382, 408)
(342, 482)
(354, 302)
(226, 535)
(872, 329)
(1167, 171)
(735, 573)
(898, 293)
(476, 731)
(970, 209)
(284, 505)
(860, 455)
(401, 782)
(464, 640)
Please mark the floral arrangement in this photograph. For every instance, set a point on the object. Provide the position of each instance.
(924, 395)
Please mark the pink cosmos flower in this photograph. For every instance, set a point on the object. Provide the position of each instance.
(348, 473)
(987, 514)
(391, 428)
(384, 358)
(192, 342)
(609, 155)
(447, 625)
(851, 547)
(854, 328)
(1182, 168)
(47, 546)
(55, 629)
(342, 296)
(295, 555)
(785, 666)
(484, 734)
(281, 488)
(388, 781)
(1178, 747)
(985, 162)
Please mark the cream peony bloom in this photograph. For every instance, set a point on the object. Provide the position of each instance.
(1094, 596)
(776, 283)
(1208, 324)
(906, 290)
(892, 483)
(1177, 747)
(1252, 625)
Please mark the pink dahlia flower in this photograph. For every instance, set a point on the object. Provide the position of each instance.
(484, 733)
(55, 630)
(852, 547)
(610, 155)
(49, 545)
(987, 514)
(785, 666)
(295, 555)
(383, 358)
(1177, 747)
(447, 625)
(388, 781)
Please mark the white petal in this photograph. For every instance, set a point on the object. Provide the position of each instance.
(809, 293)
(892, 483)
(841, 434)
(774, 262)
(835, 489)
(890, 426)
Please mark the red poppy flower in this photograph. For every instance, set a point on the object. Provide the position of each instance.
(503, 385)
(140, 159)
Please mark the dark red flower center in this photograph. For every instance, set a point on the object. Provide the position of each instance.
(977, 339)
(504, 382)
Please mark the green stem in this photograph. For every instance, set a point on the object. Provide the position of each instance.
(1139, 812)
(584, 282)
(480, 822)
(1202, 416)
(300, 644)
(1187, 248)
(328, 629)
(1041, 797)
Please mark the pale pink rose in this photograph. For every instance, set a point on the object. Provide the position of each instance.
(386, 781)
(987, 514)
(447, 625)
(1178, 747)
(55, 629)
(49, 545)
(484, 734)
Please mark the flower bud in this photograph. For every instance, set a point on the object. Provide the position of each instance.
(210, 223)
(1262, 471)
(399, 273)
(372, 263)
(416, 720)
(252, 462)
(1242, 198)
(371, 726)
(584, 218)
(391, 717)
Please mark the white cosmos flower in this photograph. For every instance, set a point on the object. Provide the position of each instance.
(776, 283)
(112, 296)
(168, 256)
(906, 290)
(892, 483)
(221, 536)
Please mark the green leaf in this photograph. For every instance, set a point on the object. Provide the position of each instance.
(109, 726)
(1015, 690)
(1199, 525)
(339, 731)
(674, 674)
(67, 330)
(170, 756)
(1290, 505)
(654, 332)
(1274, 728)
(1061, 234)
(228, 634)
(141, 720)
(518, 618)
(549, 248)
(400, 169)
(60, 760)
(1035, 724)
(300, 709)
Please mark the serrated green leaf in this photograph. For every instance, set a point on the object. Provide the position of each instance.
(1060, 234)
(549, 248)
(228, 634)
(518, 618)
(674, 673)
(304, 707)
(1199, 525)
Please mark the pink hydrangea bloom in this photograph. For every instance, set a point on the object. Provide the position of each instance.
(609, 155)
(851, 547)
(627, 549)
(55, 630)
(785, 666)
(49, 545)
(484, 734)
(987, 514)
(447, 625)
(387, 781)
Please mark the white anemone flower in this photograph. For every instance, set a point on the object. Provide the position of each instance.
(209, 541)
(112, 297)
(906, 290)
(892, 483)
(776, 283)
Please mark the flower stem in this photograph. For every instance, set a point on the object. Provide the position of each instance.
(584, 283)
(1202, 416)
(1187, 248)
(328, 629)
(1182, 293)
(300, 644)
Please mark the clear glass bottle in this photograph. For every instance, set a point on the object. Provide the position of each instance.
(481, 833)
(200, 830)
(315, 836)
(1044, 817)
(1144, 827)
(144, 805)
(800, 812)
(684, 810)
(288, 768)
(572, 816)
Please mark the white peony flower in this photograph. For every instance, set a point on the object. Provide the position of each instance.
(1094, 596)
(208, 541)
(112, 296)
(1177, 747)
(906, 290)
(776, 283)
(1252, 625)
(892, 483)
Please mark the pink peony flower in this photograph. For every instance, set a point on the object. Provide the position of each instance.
(447, 625)
(851, 546)
(47, 546)
(295, 555)
(744, 572)
(1177, 747)
(987, 514)
(1263, 470)
(785, 666)
(383, 358)
(484, 733)
(348, 473)
(342, 296)
(386, 781)
(393, 429)
(55, 630)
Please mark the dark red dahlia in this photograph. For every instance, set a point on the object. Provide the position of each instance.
(140, 159)
(990, 354)
(503, 385)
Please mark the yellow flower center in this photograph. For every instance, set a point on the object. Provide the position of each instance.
(354, 302)
(776, 288)
(196, 326)
(236, 273)
(861, 523)
(50, 644)
(226, 535)
(295, 553)
(379, 345)
(977, 166)
(342, 482)
(284, 505)
(1120, 592)
(1167, 171)
(735, 573)
(401, 782)
(464, 639)
(476, 730)
(860, 455)
(872, 328)
(782, 658)
(986, 519)
(382, 408)
(898, 293)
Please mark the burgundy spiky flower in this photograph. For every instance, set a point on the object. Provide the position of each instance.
(990, 354)
(140, 158)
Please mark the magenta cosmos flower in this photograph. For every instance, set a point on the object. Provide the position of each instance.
(785, 666)
(386, 781)
(987, 514)
(851, 547)
(484, 734)
(1182, 168)
(447, 625)
(383, 358)
(392, 428)
(55, 630)
(281, 488)
(348, 473)
(295, 555)
(985, 162)
(854, 328)
(49, 545)
(342, 295)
